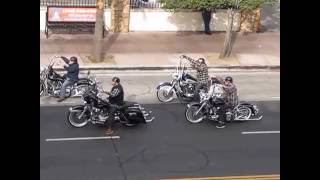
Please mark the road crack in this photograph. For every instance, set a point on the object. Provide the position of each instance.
(117, 155)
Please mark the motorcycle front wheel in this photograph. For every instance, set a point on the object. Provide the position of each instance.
(164, 95)
(191, 116)
(75, 121)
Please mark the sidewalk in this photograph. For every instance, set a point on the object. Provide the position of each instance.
(160, 50)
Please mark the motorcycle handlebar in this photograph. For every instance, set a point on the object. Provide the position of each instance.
(51, 63)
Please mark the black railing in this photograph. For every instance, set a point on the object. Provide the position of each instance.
(133, 3)
(72, 3)
(145, 4)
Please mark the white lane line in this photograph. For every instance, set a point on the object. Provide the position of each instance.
(276, 97)
(83, 138)
(261, 132)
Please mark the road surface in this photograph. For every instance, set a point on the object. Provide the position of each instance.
(168, 147)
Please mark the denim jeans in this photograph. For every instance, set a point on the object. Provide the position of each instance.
(66, 83)
(197, 91)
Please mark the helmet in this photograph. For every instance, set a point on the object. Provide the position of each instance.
(228, 78)
(201, 60)
(116, 79)
(74, 59)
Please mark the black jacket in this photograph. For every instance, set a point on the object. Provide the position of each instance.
(116, 95)
(72, 70)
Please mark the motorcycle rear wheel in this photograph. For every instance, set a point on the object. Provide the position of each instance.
(243, 112)
(190, 114)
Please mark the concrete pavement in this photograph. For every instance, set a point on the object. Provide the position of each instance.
(156, 50)
(169, 147)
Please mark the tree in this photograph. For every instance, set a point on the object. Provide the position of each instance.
(98, 32)
(231, 5)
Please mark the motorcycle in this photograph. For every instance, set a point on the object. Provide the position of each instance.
(96, 110)
(51, 82)
(183, 86)
(210, 107)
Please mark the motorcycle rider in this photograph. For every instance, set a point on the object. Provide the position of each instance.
(231, 92)
(231, 100)
(202, 74)
(116, 97)
(72, 68)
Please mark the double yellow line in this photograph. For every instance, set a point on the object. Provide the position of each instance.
(258, 177)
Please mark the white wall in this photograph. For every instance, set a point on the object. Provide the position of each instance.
(161, 20)
(42, 18)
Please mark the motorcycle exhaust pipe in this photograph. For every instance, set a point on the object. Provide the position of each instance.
(75, 110)
(253, 119)
(145, 115)
(149, 120)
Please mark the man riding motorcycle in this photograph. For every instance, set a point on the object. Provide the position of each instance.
(229, 98)
(72, 68)
(116, 98)
(231, 92)
(202, 74)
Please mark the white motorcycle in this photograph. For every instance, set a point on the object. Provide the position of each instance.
(51, 82)
(182, 86)
(210, 107)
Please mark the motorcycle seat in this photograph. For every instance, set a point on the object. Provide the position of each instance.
(81, 80)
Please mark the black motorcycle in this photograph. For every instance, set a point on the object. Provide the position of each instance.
(211, 107)
(182, 86)
(96, 110)
(51, 82)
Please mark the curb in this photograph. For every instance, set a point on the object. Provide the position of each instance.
(143, 68)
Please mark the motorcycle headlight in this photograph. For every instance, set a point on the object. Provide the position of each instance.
(218, 95)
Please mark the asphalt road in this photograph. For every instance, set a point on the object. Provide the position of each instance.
(169, 147)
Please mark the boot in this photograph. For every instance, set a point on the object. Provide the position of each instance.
(61, 99)
(109, 131)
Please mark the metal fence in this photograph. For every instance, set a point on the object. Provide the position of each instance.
(72, 3)
(133, 3)
(145, 4)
